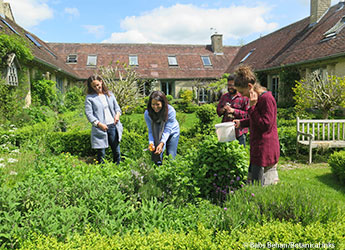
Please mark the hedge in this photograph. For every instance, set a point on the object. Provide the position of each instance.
(273, 235)
(337, 163)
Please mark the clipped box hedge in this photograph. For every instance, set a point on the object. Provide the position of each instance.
(273, 235)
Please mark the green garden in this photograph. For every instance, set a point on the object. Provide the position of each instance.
(54, 196)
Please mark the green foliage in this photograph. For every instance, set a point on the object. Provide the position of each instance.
(206, 114)
(337, 163)
(14, 44)
(287, 78)
(325, 94)
(219, 167)
(186, 95)
(127, 89)
(10, 103)
(220, 84)
(43, 93)
(272, 235)
(74, 98)
(287, 138)
(283, 202)
(169, 98)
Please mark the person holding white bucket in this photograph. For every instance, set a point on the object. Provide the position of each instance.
(262, 122)
(233, 105)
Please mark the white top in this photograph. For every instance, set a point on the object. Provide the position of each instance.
(108, 117)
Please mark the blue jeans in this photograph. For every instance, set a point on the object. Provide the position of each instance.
(171, 147)
(113, 141)
(242, 140)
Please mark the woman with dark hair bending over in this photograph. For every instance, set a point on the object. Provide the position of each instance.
(164, 130)
(103, 112)
(262, 123)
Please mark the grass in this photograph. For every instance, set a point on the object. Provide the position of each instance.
(317, 176)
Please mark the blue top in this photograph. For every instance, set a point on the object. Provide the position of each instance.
(171, 126)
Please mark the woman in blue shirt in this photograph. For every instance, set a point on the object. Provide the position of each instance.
(164, 130)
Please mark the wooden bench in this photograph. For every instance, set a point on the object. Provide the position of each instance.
(320, 134)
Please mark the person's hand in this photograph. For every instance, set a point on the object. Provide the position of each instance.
(253, 97)
(116, 118)
(102, 126)
(229, 109)
(237, 123)
(159, 148)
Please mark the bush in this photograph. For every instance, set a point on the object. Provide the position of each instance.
(74, 98)
(282, 234)
(43, 93)
(219, 167)
(253, 204)
(206, 114)
(337, 163)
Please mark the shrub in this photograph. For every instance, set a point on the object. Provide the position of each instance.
(206, 114)
(43, 92)
(254, 204)
(219, 167)
(337, 163)
(280, 234)
(287, 138)
(74, 98)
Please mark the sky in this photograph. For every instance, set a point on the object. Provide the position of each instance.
(156, 21)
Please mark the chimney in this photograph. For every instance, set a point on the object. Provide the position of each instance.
(217, 44)
(5, 11)
(317, 9)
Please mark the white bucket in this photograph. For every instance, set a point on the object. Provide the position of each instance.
(226, 131)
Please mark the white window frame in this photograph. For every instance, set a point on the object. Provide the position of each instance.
(249, 53)
(133, 60)
(90, 62)
(71, 56)
(205, 59)
(12, 75)
(172, 60)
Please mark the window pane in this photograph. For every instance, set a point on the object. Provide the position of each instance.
(206, 61)
(92, 60)
(72, 58)
(172, 60)
(133, 60)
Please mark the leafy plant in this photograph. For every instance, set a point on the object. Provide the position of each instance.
(337, 163)
(206, 114)
(219, 167)
(43, 93)
(127, 89)
(321, 93)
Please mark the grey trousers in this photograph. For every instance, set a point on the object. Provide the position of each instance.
(263, 175)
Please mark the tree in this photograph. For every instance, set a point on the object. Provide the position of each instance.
(323, 93)
(123, 81)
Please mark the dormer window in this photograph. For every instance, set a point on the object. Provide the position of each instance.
(249, 53)
(91, 60)
(172, 61)
(72, 58)
(206, 60)
(133, 60)
(332, 32)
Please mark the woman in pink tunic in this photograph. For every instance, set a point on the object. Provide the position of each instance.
(262, 123)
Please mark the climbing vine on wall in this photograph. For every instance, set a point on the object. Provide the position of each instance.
(288, 78)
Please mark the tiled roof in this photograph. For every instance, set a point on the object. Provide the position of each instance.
(152, 59)
(43, 54)
(296, 43)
